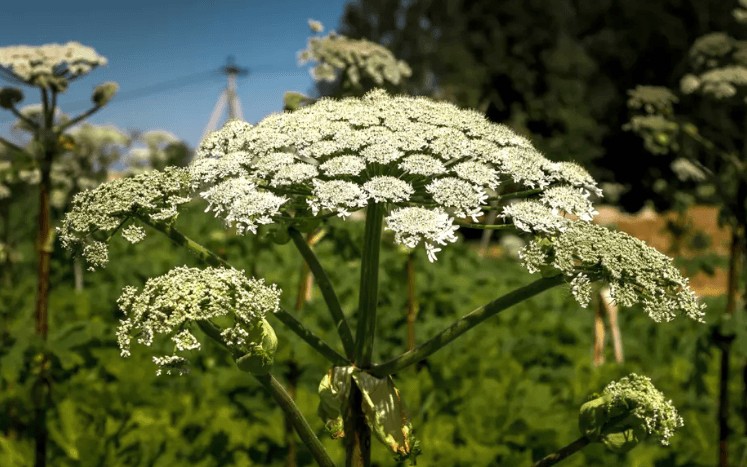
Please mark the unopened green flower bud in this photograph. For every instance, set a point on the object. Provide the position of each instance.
(9, 97)
(104, 93)
(628, 411)
(295, 100)
(262, 343)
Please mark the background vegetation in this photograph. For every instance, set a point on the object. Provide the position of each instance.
(508, 392)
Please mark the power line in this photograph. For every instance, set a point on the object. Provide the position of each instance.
(165, 86)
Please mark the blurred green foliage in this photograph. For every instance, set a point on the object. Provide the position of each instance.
(506, 393)
(556, 71)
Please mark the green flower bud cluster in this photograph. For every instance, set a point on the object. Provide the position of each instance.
(628, 411)
(95, 215)
(104, 93)
(636, 273)
(172, 304)
(9, 97)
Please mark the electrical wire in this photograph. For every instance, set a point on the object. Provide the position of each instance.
(167, 85)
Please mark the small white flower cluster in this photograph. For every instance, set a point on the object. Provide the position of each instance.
(337, 156)
(133, 233)
(241, 204)
(49, 65)
(652, 100)
(531, 216)
(575, 201)
(171, 304)
(358, 59)
(657, 415)
(102, 211)
(411, 225)
(719, 66)
(635, 272)
(171, 364)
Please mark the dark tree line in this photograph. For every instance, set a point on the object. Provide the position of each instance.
(558, 71)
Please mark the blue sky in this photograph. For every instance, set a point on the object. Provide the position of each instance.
(149, 42)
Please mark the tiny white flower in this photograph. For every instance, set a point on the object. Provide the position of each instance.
(477, 173)
(422, 164)
(531, 216)
(294, 174)
(413, 225)
(570, 200)
(381, 154)
(460, 196)
(337, 196)
(240, 203)
(385, 188)
(343, 165)
(133, 233)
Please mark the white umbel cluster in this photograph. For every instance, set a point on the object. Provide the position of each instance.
(337, 156)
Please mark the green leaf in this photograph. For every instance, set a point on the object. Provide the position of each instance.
(334, 390)
(385, 414)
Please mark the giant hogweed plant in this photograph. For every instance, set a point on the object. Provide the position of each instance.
(711, 154)
(351, 66)
(414, 167)
(49, 69)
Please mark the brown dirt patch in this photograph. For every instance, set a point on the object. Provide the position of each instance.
(652, 228)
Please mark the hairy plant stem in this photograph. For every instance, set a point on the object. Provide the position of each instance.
(328, 292)
(468, 225)
(736, 254)
(563, 452)
(412, 304)
(202, 253)
(207, 256)
(296, 418)
(357, 432)
(47, 141)
(292, 376)
(464, 324)
(291, 411)
(310, 338)
(369, 286)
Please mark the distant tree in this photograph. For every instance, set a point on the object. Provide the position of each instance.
(564, 83)
(707, 134)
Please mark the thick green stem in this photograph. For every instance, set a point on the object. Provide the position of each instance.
(369, 286)
(328, 292)
(202, 253)
(357, 432)
(296, 418)
(79, 118)
(468, 225)
(292, 414)
(11, 146)
(563, 452)
(44, 244)
(725, 342)
(464, 324)
(312, 339)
